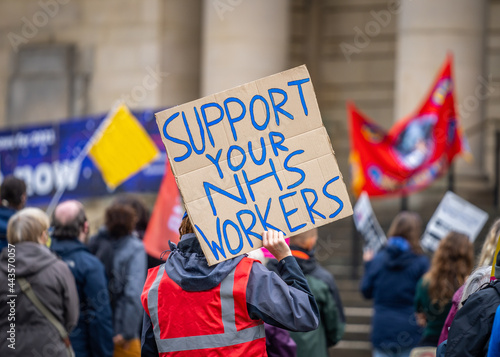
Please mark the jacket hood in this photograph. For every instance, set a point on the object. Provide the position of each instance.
(398, 259)
(30, 258)
(188, 267)
(63, 247)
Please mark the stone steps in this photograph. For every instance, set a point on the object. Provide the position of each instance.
(356, 339)
(351, 349)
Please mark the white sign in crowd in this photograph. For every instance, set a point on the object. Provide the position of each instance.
(453, 214)
(367, 224)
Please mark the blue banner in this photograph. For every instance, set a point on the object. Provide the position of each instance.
(44, 157)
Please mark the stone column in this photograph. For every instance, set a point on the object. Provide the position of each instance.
(243, 40)
(181, 51)
(427, 30)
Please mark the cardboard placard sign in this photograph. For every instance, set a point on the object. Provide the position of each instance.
(367, 224)
(453, 214)
(253, 158)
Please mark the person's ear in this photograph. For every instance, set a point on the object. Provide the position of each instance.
(44, 237)
(86, 227)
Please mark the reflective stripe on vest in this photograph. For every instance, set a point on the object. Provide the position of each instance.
(230, 336)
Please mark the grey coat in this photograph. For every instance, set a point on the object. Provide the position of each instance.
(54, 285)
(125, 262)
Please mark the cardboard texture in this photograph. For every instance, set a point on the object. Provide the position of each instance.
(253, 158)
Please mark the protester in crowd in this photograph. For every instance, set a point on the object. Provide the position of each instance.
(124, 259)
(37, 270)
(242, 294)
(472, 328)
(470, 332)
(93, 335)
(12, 199)
(490, 244)
(477, 279)
(390, 279)
(451, 265)
(325, 291)
(142, 213)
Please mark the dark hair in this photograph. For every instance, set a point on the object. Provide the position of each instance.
(141, 211)
(71, 229)
(120, 220)
(407, 225)
(186, 226)
(12, 191)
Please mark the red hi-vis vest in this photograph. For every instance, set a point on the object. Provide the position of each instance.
(214, 322)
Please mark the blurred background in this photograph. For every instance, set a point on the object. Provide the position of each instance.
(64, 60)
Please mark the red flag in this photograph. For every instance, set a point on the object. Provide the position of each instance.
(166, 217)
(415, 152)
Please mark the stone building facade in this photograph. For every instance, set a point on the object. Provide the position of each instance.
(65, 58)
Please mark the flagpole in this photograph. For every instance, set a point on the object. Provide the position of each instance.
(451, 178)
(81, 156)
(404, 202)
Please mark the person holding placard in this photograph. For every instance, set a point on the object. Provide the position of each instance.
(390, 279)
(193, 309)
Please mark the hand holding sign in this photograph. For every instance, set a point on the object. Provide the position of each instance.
(274, 241)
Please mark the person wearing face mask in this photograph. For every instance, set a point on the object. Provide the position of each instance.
(40, 280)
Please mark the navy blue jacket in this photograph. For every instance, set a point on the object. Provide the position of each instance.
(390, 279)
(285, 302)
(93, 336)
(470, 331)
(5, 214)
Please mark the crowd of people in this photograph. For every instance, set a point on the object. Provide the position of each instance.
(440, 307)
(66, 293)
(78, 295)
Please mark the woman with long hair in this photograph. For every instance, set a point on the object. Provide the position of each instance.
(476, 280)
(451, 265)
(390, 279)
